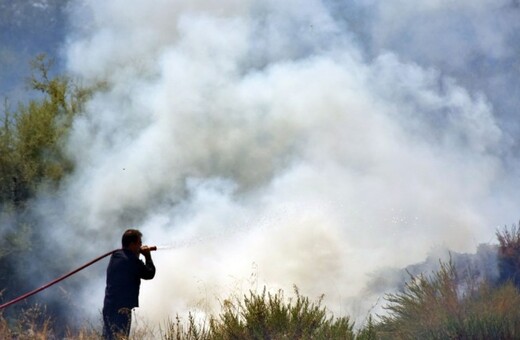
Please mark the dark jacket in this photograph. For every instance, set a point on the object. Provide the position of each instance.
(124, 274)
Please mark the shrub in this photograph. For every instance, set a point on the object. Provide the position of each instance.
(32, 323)
(435, 308)
(266, 316)
(31, 149)
(509, 255)
(177, 330)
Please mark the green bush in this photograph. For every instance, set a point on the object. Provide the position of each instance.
(438, 308)
(31, 148)
(266, 316)
(32, 158)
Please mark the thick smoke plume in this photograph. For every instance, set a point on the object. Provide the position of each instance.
(279, 143)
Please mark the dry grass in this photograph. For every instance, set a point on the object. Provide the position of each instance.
(430, 307)
(435, 308)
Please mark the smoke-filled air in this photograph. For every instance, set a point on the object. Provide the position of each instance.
(279, 143)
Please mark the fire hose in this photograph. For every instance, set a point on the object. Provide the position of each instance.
(61, 278)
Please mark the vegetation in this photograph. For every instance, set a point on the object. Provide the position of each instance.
(32, 159)
(437, 308)
(256, 316)
(431, 307)
(267, 316)
(31, 148)
(509, 255)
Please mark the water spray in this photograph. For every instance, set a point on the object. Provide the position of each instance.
(61, 278)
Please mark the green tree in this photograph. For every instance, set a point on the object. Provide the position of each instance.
(8, 159)
(31, 138)
(32, 158)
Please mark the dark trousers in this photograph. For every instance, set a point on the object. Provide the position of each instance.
(116, 323)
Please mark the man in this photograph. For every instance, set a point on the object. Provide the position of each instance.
(124, 273)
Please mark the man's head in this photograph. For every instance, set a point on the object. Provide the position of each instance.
(131, 240)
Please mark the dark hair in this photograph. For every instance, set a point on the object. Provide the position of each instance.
(130, 236)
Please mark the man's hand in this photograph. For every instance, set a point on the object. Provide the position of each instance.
(145, 250)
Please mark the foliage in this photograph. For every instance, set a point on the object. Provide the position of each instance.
(429, 308)
(509, 255)
(436, 308)
(33, 323)
(31, 149)
(177, 330)
(258, 316)
(266, 316)
(32, 158)
(369, 331)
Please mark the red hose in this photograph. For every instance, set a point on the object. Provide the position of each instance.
(26, 295)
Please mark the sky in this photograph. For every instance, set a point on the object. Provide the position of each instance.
(266, 143)
(28, 28)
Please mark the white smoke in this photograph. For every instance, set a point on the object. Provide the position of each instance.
(260, 138)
